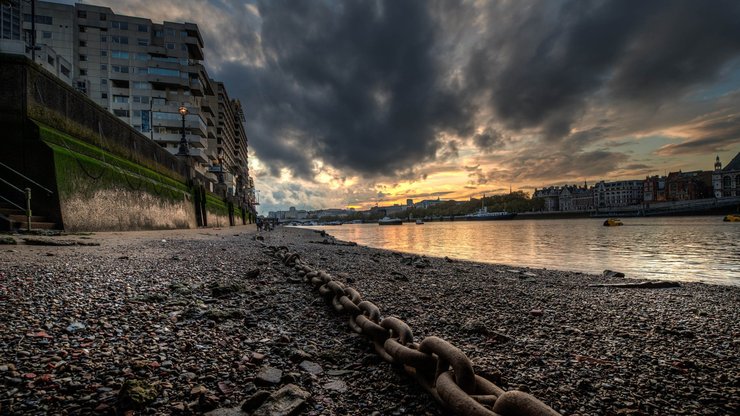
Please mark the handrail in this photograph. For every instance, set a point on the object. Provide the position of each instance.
(13, 186)
(25, 177)
(12, 203)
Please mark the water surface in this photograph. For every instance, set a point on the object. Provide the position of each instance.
(675, 248)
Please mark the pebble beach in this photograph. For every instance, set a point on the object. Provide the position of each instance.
(198, 321)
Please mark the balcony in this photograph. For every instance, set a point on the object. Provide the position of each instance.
(194, 141)
(197, 155)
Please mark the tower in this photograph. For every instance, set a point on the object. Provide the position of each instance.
(717, 164)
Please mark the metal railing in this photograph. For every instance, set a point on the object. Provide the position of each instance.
(26, 192)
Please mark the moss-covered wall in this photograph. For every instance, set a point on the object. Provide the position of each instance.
(218, 212)
(102, 192)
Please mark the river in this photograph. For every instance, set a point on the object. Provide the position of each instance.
(698, 249)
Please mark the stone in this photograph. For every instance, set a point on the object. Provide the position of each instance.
(336, 385)
(536, 312)
(288, 401)
(610, 273)
(254, 401)
(269, 375)
(75, 326)
(136, 394)
(311, 367)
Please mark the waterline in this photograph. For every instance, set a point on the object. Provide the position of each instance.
(697, 249)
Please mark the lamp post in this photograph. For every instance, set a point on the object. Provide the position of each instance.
(183, 151)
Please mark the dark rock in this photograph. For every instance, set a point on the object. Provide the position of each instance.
(311, 367)
(254, 401)
(611, 273)
(288, 401)
(136, 394)
(269, 376)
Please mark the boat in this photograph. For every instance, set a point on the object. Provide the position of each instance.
(731, 218)
(419, 221)
(483, 215)
(390, 221)
(612, 222)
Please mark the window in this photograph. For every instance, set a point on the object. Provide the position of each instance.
(103, 17)
(158, 101)
(82, 29)
(46, 35)
(170, 45)
(183, 47)
(158, 33)
(43, 20)
(83, 58)
(120, 99)
(119, 54)
(120, 69)
(104, 95)
(183, 33)
(103, 67)
(121, 113)
(50, 60)
(82, 14)
(119, 25)
(142, 42)
(103, 53)
(143, 99)
(164, 71)
(83, 43)
(104, 82)
(142, 70)
(104, 38)
(170, 32)
(136, 113)
(123, 40)
(143, 28)
(142, 56)
(142, 85)
(64, 70)
(83, 72)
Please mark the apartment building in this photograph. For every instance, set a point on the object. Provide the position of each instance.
(14, 40)
(144, 73)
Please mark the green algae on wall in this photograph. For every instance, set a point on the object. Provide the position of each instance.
(99, 191)
(218, 211)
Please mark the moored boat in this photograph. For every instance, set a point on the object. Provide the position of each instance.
(612, 222)
(483, 215)
(419, 222)
(732, 218)
(390, 221)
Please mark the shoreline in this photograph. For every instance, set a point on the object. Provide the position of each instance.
(581, 350)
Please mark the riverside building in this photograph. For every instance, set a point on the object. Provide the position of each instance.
(144, 72)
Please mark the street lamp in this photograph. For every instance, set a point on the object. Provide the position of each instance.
(183, 151)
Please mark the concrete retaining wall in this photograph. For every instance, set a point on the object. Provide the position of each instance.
(104, 175)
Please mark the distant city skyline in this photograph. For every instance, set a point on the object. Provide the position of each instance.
(349, 104)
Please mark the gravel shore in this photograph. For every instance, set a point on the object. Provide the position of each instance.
(188, 321)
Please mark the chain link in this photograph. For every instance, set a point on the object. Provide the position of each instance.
(440, 368)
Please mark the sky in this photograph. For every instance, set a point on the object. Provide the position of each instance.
(357, 103)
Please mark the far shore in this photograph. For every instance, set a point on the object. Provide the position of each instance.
(185, 309)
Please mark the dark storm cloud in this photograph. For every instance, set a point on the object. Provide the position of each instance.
(354, 83)
(368, 86)
(489, 139)
(540, 67)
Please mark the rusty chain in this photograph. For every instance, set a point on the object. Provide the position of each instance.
(440, 368)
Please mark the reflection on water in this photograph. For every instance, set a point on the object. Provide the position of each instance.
(680, 248)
